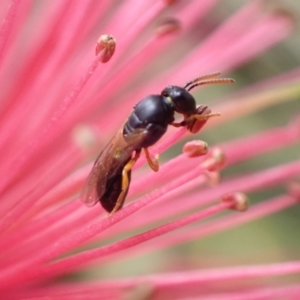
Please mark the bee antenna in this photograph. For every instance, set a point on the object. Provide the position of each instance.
(210, 81)
(204, 77)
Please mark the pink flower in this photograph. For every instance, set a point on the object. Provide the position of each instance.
(61, 105)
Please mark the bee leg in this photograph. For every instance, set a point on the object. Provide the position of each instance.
(125, 181)
(194, 122)
(179, 124)
(153, 163)
(193, 118)
(197, 117)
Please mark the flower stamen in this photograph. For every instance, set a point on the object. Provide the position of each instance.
(239, 201)
(215, 160)
(195, 148)
(105, 48)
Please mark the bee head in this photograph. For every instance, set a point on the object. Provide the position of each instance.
(182, 101)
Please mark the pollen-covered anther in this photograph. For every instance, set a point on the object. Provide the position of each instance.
(105, 48)
(215, 160)
(213, 177)
(278, 9)
(84, 136)
(240, 201)
(294, 189)
(295, 125)
(195, 148)
(168, 26)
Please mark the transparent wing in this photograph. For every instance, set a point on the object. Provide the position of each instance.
(114, 155)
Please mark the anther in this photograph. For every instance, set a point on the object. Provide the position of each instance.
(215, 160)
(105, 48)
(195, 148)
(168, 26)
(239, 201)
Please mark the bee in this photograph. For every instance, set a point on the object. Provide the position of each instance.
(110, 177)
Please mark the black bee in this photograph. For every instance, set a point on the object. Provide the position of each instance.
(110, 177)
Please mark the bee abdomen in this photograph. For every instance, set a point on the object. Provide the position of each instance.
(112, 191)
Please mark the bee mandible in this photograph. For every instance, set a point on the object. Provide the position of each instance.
(109, 180)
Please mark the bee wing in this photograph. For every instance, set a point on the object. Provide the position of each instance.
(89, 193)
(114, 155)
